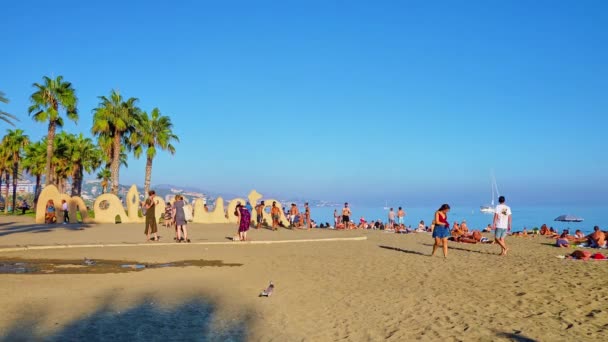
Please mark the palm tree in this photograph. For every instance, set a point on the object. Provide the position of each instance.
(105, 175)
(84, 156)
(153, 132)
(4, 116)
(7, 180)
(15, 142)
(49, 98)
(34, 163)
(61, 162)
(116, 119)
(4, 168)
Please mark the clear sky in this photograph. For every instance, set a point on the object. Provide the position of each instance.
(340, 100)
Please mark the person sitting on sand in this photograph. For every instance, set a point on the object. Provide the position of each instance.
(456, 232)
(544, 230)
(400, 228)
(579, 234)
(49, 213)
(421, 227)
(562, 240)
(597, 239)
(463, 227)
(487, 229)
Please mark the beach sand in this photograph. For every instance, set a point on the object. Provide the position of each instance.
(386, 287)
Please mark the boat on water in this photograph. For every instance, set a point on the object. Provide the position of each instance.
(489, 209)
(386, 206)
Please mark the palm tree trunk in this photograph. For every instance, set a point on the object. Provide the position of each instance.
(50, 138)
(37, 190)
(8, 179)
(148, 175)
(80, 178)
(115, 163)
(5, 200)
(76, 180)
(15, 179)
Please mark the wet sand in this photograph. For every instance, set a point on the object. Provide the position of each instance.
(383, 288)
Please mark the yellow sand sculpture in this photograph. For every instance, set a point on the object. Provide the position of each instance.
(232, 218)
(75, 204)
(254, 196)
(133, 205)
(268, 217)
(108, 206)
(218, 215)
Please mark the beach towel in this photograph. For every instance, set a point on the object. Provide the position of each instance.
(188, 213)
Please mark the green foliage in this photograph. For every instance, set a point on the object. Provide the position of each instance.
(14, 143)
(34, 161)
(4, 116)
(52, 96)
(154, 131)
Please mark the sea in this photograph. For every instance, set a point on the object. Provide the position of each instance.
(528, 217)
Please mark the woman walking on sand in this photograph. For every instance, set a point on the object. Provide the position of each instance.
(243, 222)
(151, 227)
(441, 229)
(180, 220)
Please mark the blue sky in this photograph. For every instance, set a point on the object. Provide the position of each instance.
(341, 100)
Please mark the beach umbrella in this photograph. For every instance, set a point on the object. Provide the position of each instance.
(569, 218)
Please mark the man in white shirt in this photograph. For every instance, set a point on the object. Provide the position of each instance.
(502, 224)
(64, 207)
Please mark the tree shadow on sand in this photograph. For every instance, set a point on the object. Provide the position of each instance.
(403, 250)
(191, 321)
(15, 228)
(515, 337)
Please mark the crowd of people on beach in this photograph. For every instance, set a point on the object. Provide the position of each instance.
(176, 216)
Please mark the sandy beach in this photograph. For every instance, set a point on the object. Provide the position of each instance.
(385, 287)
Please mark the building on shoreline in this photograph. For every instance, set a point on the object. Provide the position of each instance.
(23, 187)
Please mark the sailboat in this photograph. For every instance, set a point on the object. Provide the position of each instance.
(386, 205)
(489, 209)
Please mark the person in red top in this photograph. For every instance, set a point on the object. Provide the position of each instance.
(441, 230)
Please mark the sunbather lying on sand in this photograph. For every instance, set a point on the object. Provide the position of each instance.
(585, 255)
(523, 233)
(473, 237)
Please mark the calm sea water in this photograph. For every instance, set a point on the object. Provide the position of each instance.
(522, 216)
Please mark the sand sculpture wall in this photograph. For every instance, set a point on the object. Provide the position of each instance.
(231, 208)
(108, 208)
(75, 204)
(268, 217)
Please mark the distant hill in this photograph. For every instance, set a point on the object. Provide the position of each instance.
(92, 188)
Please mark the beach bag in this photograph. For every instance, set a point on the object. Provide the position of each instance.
(187, 213)
(143, 207)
